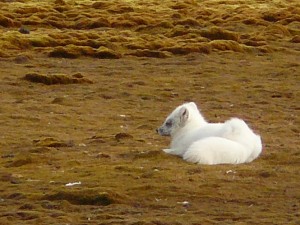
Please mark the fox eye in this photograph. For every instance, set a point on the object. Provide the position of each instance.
(169, 123)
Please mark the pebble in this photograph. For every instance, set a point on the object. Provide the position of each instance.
(24, 30)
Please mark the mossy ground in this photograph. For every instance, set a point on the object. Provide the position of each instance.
(102, 132)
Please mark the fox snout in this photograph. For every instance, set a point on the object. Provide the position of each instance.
(161, 131)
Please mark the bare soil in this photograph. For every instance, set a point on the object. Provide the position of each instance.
(84, 85)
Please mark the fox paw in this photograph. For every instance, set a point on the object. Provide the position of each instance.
(168, 150)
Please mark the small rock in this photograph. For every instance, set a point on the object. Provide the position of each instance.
(24, 30)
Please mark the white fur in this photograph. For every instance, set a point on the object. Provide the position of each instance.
(198, 141)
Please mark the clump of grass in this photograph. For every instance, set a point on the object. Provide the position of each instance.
(55, 79)
(266, 49)
(3, 54)
(274, 31)
(87, 23)
(217, 33)
(42, 41)
(188, 22)
(226, 45)
(295, 39)
(6, 22)
(151, 53)
(122, 23)
(15, 40)
(71, 51)
(60, 2)
(30, 9)
(121, 136)
(183, 50)
(106, 53)
(274, 16)
(86, 197)
(100, 5)
(120, 8)
(20, 162)
(52, 142)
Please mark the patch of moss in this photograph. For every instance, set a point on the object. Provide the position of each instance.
(52, 142)
(20, 162)
(62, 52)
(42, 41)
(6, 22)
(106, 53)
(295, 39)
(121, 136)
(151, 53)
(183, 50)
(188, 22)
(85, 197)
(55, 79)
(226, 45)
(71, 51)
(217, 33)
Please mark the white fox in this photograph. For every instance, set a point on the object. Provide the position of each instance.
(198, 141)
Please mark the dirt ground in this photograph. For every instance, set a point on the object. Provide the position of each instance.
(84, 85)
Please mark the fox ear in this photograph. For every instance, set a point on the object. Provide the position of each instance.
(193, 105)
(184, 114)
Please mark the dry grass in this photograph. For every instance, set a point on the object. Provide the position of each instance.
(88, 23)
(55, 79)
(103, 135)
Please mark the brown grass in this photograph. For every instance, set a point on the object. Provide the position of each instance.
(216, 33)
(106, 53)
(87, 197)
(177, 23)
(55, 79)
(103, 135)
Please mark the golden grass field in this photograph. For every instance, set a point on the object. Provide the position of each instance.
(84, 85)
